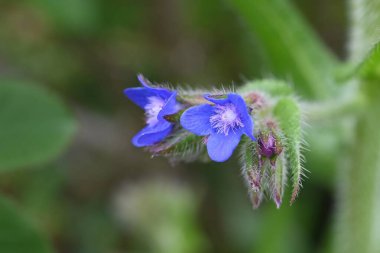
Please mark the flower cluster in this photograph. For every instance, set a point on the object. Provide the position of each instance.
(221, 119)
(183, 125)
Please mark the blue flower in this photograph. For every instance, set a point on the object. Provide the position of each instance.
(224, 123)
(157, 102)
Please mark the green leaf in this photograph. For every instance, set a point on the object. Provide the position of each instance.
(293, 51)
(288, 115)
(368, 68)
(270, 86)
(34, 125)
(17, 235)
(364, 32)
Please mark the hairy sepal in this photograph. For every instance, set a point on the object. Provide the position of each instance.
(288, 115)
(181, 145)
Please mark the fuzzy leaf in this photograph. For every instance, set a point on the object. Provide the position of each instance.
(365, 20)
(288, 115)
(368, 68)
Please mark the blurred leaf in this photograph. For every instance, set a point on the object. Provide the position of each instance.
(34, 125)
(292, 49)
(370, 66)
(16, 234)
(364, 32)
(288, 115)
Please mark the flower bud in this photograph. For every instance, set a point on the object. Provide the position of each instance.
(269, 144)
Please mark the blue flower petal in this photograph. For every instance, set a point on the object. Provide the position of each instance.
(219, 101)
(241, 107)
(150, 135)
(171, 106)
(140, 95)
(196, 119)
(220, 147)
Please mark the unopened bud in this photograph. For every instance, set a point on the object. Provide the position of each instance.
(269, 145)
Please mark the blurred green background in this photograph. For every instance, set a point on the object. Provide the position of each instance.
(70, 61)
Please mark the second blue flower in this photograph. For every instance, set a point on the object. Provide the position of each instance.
(224, 122)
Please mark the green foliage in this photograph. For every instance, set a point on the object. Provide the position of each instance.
(17, 235)
(35, 125)
(78, 46)
(370, 66)
(71, 15)
(358, 207)
(292, 49)
(364, 32)
(288, 115)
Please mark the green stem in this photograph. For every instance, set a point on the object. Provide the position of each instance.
(331, 110)
(358, 193)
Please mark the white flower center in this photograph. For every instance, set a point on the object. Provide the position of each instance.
(152, 109)
(225, 118)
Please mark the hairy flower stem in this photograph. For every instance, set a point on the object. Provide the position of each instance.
(358, 227)
(332, 110)
(359, 193)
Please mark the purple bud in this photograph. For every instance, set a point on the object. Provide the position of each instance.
(269, 145)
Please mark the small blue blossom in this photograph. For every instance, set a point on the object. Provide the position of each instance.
(157, 102)
(224, 123)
